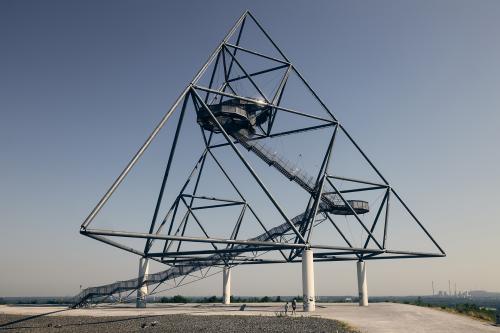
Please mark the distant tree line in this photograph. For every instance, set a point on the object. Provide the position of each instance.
(237, 299)
(33, 301)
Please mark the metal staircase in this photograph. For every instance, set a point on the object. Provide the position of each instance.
(332, 202)
(329, 203)
(180, 270)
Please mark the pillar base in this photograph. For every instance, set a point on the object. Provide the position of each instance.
(309, 303)
(362, 284)
(142, 291)
(226, 285)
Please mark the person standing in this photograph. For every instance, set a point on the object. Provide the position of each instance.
(294, 306)
(286, 308)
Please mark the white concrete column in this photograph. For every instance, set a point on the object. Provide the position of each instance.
(308, 281)
(362, 285)
(142, 292)
(226, 285)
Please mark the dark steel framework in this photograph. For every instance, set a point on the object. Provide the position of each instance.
(294, 235)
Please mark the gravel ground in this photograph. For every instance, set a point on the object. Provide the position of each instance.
(170, 323)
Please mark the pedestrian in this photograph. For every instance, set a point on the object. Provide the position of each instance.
(286, 308)
(294, 306)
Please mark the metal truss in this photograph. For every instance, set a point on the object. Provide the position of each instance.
(293, 234)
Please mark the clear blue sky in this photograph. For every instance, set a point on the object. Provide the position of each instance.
(83, 83)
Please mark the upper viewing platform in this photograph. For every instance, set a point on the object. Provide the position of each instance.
(234, 115)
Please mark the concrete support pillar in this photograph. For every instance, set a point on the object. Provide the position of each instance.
(362, 285)
(308, 281)
(226, 285)
(142, 291)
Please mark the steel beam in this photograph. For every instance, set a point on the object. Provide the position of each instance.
(249, 168)
(416, 220)
(216, 92)
(157, 129)
(167, 171)
(257, 54)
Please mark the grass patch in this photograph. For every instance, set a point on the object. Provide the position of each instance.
(466, 309)
(472, 310)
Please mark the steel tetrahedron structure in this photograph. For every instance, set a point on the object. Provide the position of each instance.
(246, 102)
